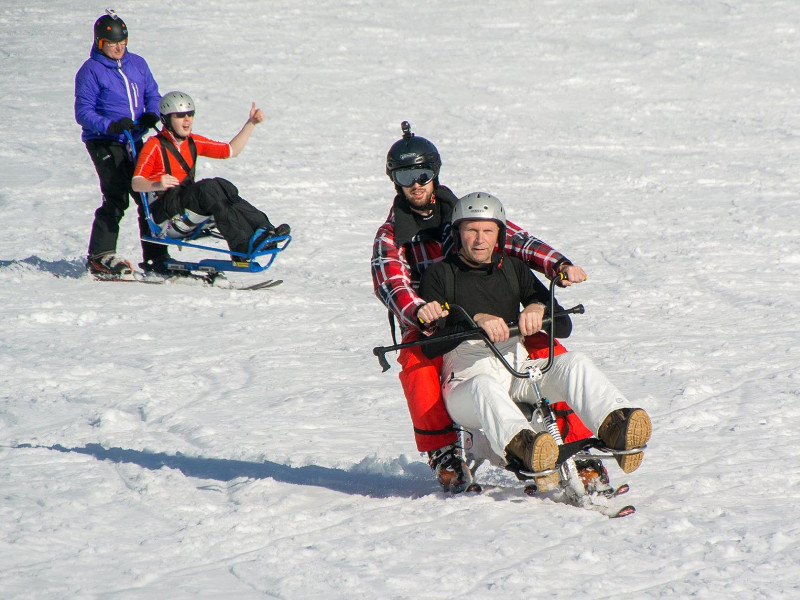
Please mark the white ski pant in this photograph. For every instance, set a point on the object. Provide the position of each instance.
(480, 394)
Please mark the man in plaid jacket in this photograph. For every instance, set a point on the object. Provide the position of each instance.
(415, 235)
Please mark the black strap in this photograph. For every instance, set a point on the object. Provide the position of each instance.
(572, 448)
(392, 327)
(564, 414)
(167, 147)
(447, 429)
(449, 282)
(511, 278)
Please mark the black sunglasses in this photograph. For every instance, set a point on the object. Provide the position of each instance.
(408, 177)
(188, 113)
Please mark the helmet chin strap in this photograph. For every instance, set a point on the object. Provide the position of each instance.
(423, 210)
(168, 126)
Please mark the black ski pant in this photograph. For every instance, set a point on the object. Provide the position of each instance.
(236, 219)
(115, 170)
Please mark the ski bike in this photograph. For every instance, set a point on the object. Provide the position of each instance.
(185, 231)
(573, 489)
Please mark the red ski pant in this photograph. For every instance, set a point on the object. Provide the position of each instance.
(433, 427)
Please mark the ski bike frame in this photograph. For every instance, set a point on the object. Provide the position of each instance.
(540, 411)
(246, 263)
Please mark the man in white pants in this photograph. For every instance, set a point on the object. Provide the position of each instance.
(479, 392)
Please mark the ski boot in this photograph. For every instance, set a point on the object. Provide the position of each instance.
(451, 470)
(537, 452)
(109, 266)
(626, 429)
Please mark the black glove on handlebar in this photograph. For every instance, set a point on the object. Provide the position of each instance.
(119, 126)
(149, 120)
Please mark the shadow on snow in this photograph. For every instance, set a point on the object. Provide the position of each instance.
(72, 269)
(418, 483)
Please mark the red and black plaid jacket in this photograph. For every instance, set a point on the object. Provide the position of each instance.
(397, 268)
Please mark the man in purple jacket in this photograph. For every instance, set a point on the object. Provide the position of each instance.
(115, 92)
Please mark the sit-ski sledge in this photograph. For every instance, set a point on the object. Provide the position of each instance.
(572, 489)
(184, 232)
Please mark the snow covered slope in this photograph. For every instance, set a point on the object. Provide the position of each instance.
(183, 442)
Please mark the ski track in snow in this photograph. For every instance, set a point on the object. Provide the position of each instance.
(181, 442)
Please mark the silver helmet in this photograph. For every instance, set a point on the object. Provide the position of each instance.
(479, 206)
(175, 102)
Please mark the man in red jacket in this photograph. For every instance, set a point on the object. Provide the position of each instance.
(416, 234)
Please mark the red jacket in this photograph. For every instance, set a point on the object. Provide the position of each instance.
(150, 163)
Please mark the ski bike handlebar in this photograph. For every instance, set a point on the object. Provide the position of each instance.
(549, 321)
(472, 334)
(477, 333)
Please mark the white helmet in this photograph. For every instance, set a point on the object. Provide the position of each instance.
(175, 102)
(479, 206)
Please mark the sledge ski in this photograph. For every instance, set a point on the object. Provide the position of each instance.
(209, 280)
(190, 232)
(584, 481)
(262, 285)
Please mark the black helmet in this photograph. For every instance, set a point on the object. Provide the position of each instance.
(412, 151)
(111, 28)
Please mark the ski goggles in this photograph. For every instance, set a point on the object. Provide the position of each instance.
(408, 177)
(105, 43)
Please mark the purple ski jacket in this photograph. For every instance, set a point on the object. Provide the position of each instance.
(107, 90)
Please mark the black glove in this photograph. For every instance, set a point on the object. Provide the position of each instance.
(148, 120)
(118, 127)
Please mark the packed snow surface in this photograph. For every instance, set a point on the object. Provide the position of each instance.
(183, 442)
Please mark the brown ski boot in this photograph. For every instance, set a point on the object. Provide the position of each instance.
(538, 452)
(624, 429)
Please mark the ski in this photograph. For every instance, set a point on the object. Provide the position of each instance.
(210, 280)
(597, 502)
(610, 492)
(126, 279)
(616, 492)
(262, 285)
(597, 496)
